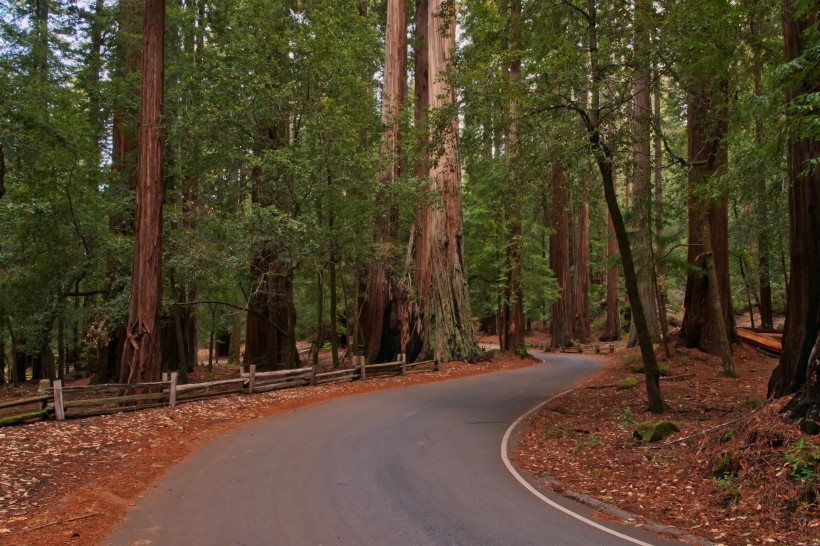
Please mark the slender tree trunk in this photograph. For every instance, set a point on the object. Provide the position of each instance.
(444, 320)
(581, 327)
(799, 367)
(612, 330)
(764, 277)
(142, 354)
(511, 311)
(320, 311)
(561, 325)
(659, 266)
(235, 345)
(2, 171)
(334, 329)
(603, 156)
(642, 172)
(384, 336)
(61, 351)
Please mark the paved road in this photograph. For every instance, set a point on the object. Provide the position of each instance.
(414, 466)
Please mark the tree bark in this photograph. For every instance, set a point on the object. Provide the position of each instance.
(707, 156)
(511, 326)
(642, 173)
(125, 145)
(142, 354)
(799, 367)
(612, 330)
(581, 327)
(384, 336)
(660, 268)
(603, 157)
(235, 344)
(561, 324)
(444, 320)
(764, 277)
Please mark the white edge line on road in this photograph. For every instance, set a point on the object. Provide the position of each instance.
(547, 500)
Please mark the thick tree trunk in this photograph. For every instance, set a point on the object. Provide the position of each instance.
(706, 128)
(561, 325)
(384, 336)
(143, 351)
(799, 367)
(511, 326)
(444, 321)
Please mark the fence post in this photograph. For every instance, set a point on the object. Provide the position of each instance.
(403, 360)
(172, 390)
(59, 409)
(165, 377)
(362, 369)
(251, 378)
(437, 365)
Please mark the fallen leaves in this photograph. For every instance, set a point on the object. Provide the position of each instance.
(674, 484)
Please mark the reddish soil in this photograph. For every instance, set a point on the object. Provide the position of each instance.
(72, 482)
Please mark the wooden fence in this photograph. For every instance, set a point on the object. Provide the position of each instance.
(61, 402)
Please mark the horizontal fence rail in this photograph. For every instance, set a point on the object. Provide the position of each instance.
(64, 402)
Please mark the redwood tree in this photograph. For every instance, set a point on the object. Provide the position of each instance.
(642, 172)
(561, 325)
(705, 73)
(799, 367)
(141, 359)
(384, 320)
(443, 322)
(510, 323)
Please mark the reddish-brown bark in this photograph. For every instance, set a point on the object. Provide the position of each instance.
(141, 359)
(384, 320)
(642, 175)
(561, 325)
(799, 367)
(443, 322)
(707, 127)
(510, 324)
(612, 329)
(581, 327)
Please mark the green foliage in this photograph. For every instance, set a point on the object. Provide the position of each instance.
(804, 462)
(625, 417)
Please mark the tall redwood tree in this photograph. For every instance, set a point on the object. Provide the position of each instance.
(441, 322)
(384, 320)
(799, 368)
(141, 358)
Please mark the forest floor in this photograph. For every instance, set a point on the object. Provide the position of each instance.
(73, 482)
(736, 473)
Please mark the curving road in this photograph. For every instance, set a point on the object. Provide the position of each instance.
(412, 466)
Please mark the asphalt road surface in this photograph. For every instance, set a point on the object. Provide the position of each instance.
(419, 465)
